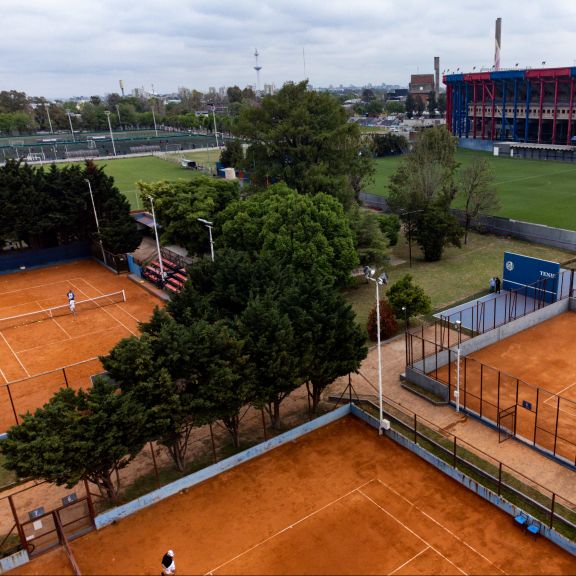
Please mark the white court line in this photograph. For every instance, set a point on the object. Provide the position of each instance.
(37, 286)
(55, 321)
(15, 355)
(98, 290)
(103, 308)
(289, 527)
(441, 525)
(3, 376)
(411, 531)
(410, 560)
(554, 394)
(115, 327)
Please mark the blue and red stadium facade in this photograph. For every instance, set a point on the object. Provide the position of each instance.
(534, 105)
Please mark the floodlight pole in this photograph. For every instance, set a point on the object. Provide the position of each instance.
(215, 130)
(209, 225)
(69, 114)
(154, 118)
(458, 326)
(382, 279)
(107, 112)
(47, 107)
(96, 218)
(119, 120)
(157, 241)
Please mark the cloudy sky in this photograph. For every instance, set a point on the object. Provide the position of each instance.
(58, 48)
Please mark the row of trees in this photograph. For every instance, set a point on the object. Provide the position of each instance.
(42, 208)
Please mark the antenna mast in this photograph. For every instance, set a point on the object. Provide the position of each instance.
(257, 67)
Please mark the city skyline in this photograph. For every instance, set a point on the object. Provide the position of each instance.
(51, 49)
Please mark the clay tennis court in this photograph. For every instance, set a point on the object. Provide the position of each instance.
(341, 500)
(33, 352)
(510, 372)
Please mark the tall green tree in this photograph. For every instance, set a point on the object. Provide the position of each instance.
(304, 139)
(179, 204)
(424, 186)
(78, 435)
(407, 299)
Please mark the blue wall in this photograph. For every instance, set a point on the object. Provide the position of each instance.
(520, 271)
(12, 261)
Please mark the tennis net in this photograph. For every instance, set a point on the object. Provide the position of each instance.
(64, 310)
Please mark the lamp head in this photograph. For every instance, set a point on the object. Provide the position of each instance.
(369, 272)
(383, 279)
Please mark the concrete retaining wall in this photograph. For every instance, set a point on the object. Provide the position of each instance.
(461, 478)
(174, 487)
(13, 561)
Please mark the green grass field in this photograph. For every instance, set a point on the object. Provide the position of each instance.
(127, 171)
(461, 274)
(530, 190)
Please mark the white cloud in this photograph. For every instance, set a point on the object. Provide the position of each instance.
(56, 48)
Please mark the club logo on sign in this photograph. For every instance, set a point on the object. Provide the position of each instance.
(510, 265)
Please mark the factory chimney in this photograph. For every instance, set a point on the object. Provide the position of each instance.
(498, 43)
(437, 76)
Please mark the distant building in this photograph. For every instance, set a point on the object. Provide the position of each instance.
(420, 86)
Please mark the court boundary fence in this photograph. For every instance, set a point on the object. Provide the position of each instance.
(550, 510)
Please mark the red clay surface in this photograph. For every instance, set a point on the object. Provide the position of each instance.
(341, 500)
(543, 356)
(26, 352)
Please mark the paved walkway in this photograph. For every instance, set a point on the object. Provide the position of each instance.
(524, 459)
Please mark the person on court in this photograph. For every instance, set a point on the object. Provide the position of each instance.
(72, 304)
(168, 564)
(71, 295)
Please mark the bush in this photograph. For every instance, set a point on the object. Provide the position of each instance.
(405, 294)
(388, 324)
(390, 227)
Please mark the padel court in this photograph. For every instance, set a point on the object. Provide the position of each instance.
(39, 335)
(340, 500)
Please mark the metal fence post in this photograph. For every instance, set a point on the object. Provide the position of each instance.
(23, 540)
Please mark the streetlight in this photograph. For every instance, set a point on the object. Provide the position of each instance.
(458, 327)
(107, 112)
(69, 114)
(118, 112)
(47, 106)
(215, 131)
(408, 214)
(154, 118)
(96, 218)
(208, 225)
(157, 241)
(381, 280)
(405, 310)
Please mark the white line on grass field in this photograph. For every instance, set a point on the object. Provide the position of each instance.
(289, 527)
(15, 355)
(441, 525)
(411, 531)
(117, 306)
(103, 308)
(410, 560)
(538, 176)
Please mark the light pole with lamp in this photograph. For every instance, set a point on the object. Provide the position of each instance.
(380, 281)
(69, 114)
(408, 214)
(107, 112)
(458, 327)
(215, 131)
(154, 117)
(405, 310)
(157, 241)
(96, 218)
(119, 120)
(208, 225)
(47, 107)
